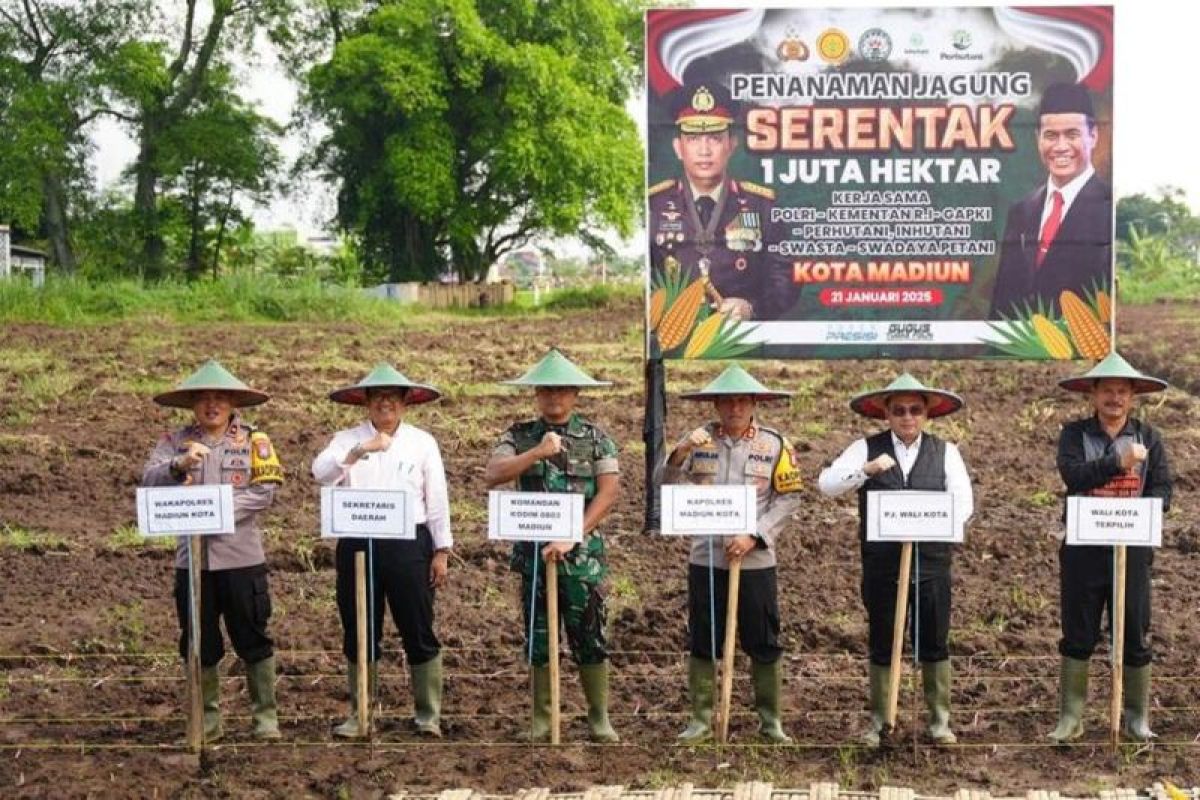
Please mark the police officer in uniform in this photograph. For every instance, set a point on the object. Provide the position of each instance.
(385, 452)
(712, 226)
(220, 447)
(737, 449)
(1108, 454)
(563, 451)
(905, 457)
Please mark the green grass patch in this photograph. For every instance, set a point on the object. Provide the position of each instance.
(128, 537)
(77, 301)
(23, 540)
(33, 379)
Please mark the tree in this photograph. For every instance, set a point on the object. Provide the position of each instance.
(1145, 224)
(53, 59)
(218, 151)
(461, 129)
(162, 77)
(1151, 215)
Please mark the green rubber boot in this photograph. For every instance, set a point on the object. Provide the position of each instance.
(1072, 696)
(880, 678)
(594, 678)
(1135, 689)
(427, 696)
(935, 679)
(540, 730)
(260, 680)
(701, 676)
(349, 728)
(768, 690)
(210, 696)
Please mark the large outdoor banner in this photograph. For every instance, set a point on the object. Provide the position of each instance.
(850, 183)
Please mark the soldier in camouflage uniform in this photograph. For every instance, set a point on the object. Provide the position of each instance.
(219, 447)
(734, 451)
(562, 451)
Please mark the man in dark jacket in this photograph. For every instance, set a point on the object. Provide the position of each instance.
(1109, 454)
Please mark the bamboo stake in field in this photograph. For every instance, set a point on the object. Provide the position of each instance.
(195, 729)
(906, 551)
(727, 653)
(1117, 619)
(552, 645)
(360, 614)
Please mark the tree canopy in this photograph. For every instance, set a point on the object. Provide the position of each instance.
(460, 129)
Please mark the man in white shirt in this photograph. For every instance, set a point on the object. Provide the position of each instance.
(384, 452)
(905, 457)
(1058, 237)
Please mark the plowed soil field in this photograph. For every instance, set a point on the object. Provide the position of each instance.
(91, 694)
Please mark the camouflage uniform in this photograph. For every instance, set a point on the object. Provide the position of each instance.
(588, 453)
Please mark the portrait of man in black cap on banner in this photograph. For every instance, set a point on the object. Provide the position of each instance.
(708, 224)
(1058, 237)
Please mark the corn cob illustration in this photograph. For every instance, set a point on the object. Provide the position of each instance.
(1089, 336)
(1103, 307)
(678, 321)
(658, 304)
(1054, 340)
(703, 336)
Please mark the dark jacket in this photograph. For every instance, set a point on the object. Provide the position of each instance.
(1079, 259)
(1084, 476)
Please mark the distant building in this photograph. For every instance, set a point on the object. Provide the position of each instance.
(17, 258)
(520, 267)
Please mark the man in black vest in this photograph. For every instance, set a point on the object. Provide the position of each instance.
(1059, 236)
(1108, 454)
(904, 457)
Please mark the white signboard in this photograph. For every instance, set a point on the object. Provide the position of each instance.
(535, 516)
(690, 510)
(204, 510)
(912, 516)
(366, 514)
(1134, 521)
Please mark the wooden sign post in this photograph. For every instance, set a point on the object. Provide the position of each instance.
(727, 652)
(540, 517)
(193, 512)
(715, 511)
(1117, 522)
(906, 518)
(351, 513)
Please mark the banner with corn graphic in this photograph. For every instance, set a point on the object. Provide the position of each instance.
(833, 183)
(1082, 332)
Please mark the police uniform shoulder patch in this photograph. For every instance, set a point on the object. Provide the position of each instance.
(661, 186)
(754, 188)
(787, 470)
(264, 464)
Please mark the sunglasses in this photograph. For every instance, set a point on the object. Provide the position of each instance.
(909, 411)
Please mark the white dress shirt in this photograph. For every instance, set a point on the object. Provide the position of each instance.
(412, 463)
(846, 472)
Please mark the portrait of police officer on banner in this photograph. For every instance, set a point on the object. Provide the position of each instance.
(709, 224)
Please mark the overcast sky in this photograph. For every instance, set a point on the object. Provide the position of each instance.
(1154, 60)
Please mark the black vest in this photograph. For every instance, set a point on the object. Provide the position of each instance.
(927, 474)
